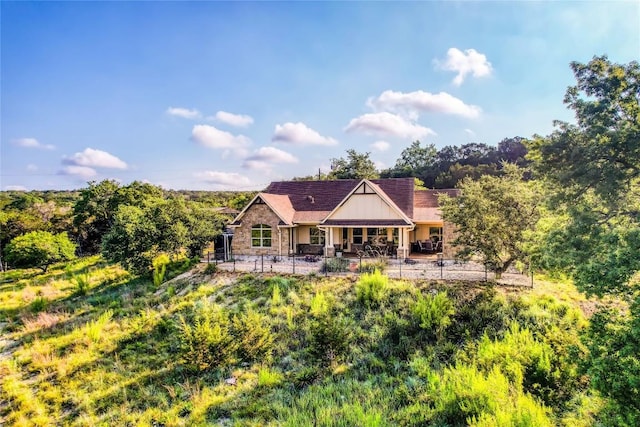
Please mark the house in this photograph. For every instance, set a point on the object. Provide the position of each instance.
(328, 217)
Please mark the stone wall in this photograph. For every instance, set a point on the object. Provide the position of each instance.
(448, 236)
(260, 214)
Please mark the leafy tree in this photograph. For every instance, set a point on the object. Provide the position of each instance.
(594, 168)
(355, 166)
(140, 234)
(95, 210)
(40, 249)
(414, 160)
(493, 216)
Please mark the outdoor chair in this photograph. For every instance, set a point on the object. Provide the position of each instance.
(425, 246)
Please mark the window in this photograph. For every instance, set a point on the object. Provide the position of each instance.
(357, 236)
(435, 233)
(261, 236)
(396, 233)
(377, 236)
(316, 236)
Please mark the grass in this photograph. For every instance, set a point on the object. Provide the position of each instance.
(307, 348)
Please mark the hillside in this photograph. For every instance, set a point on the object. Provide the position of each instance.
(90, 345)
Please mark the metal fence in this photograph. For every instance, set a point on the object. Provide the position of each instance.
(434, 268)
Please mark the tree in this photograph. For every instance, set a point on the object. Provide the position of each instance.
(414, 160)
(355, 166)
(492, 216)
(140, 234)
(594, 168)
(95, 210)
(39, 249)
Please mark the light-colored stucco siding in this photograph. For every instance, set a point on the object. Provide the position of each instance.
(365, 206)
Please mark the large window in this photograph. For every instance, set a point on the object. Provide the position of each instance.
(316, 236)
(261, 236)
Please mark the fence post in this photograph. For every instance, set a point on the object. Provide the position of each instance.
(262, 263)
(360, 270)
(441, 268)
(208, 257)
(294, 263)
(326, 267)
(400, 267)
(234, 264)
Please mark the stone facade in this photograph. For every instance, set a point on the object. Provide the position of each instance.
(260, 213)
(448, 236)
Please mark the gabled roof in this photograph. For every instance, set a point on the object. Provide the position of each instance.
(382, 194)
(279, 204)
(326, 195)
(299, 202)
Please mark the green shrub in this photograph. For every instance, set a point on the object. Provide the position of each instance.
(433, 312)
(39, 304)
(372, 266)
(206, 341)
(211, 268)
(371, 288)
(268, 378)
(330, 338)
(82, 283)
(253, 337)
(276, 299)
(335, 265)
(319, 304)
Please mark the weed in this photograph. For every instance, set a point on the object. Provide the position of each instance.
(433, 312)
(268, 378)
(319, 304)
(335, 265)
(211, 268)
(82, 284)
(39, 304)
(93, 330)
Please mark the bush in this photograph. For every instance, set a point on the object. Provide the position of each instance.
(252, 333)
(81, 284)
(211, 268)
(371, 288)
(319, 304)
(335, 265)
(330, 338)
(433, 312)
(39, 249)
(207, 342)
(372, 266)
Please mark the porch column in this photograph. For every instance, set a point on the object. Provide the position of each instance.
(404, 244)
(329, 250)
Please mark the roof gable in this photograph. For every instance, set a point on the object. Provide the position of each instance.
(279, 204)
(367, 201)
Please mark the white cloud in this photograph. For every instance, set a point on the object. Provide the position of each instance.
(380, 146)
(185, 113)
(211, 137)
(300, 134)
(387, 124)
(31, 167)
(264, 158)
(409, 104)
(15, 188)
(469, 132)
(32, 143)
(79, 171)
(229, 180)
(238, 120)
(468, 62)
(93, 158)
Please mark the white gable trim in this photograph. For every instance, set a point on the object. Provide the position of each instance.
(367, 187)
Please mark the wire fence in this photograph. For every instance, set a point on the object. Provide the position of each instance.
(434, 268)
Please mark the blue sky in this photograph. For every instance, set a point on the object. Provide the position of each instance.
(231, 96)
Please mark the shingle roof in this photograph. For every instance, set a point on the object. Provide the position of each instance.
(326, 195)
(281, 204)
(425, 204)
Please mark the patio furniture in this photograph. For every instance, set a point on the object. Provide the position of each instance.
(426, 246)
